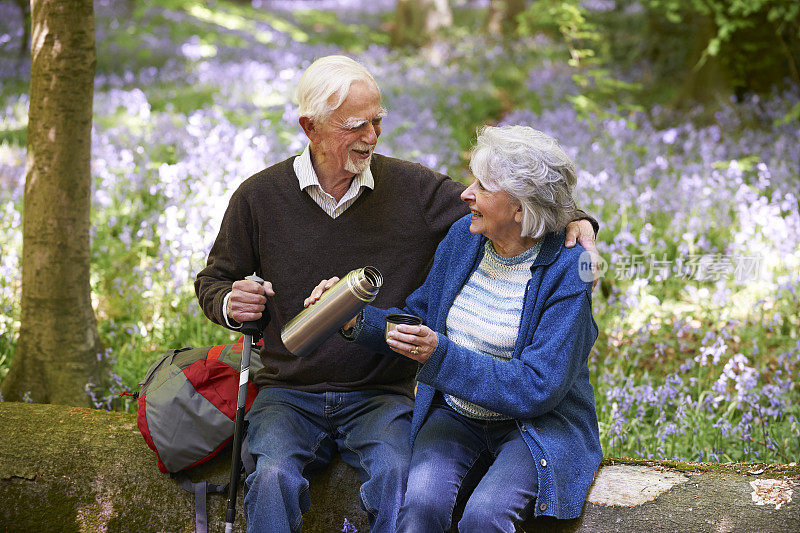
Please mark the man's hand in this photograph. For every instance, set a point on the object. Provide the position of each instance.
(247, 300)
(321, 287)
(583, 232)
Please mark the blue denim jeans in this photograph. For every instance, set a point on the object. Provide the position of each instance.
(452, 450)
(291, 432)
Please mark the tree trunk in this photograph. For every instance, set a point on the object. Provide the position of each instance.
(707, 81)
(58, 349)
(502, 16)
(416, 21)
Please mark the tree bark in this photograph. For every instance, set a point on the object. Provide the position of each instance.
(710, 80)
(58, 349)
(416, 21)
(502, 16)
(65, 469)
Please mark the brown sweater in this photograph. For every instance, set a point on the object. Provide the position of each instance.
(275, 229)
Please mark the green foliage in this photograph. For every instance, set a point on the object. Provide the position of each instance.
(730, 16)
(792, 116)
(660, 357)
(8, 344)
(183, 101)
(667, 46)
(14, 137)
(758, 41)
(586, 47)
(474, 109)
(325, 27)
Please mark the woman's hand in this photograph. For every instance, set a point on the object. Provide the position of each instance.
(323, 286)
(415, 342)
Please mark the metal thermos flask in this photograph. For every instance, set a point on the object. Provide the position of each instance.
(302, 334)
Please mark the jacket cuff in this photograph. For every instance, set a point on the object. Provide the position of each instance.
(373, 321)
(430, 370)
(350, 335)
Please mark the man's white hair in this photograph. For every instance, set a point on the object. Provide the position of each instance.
(531, 167)
(326, 83)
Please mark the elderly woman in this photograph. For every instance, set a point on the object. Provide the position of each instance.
(504, 397)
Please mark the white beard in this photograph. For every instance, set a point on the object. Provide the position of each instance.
(357, 166)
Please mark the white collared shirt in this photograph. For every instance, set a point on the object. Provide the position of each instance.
(309, 182)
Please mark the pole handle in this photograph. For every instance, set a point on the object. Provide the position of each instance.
(251, 328)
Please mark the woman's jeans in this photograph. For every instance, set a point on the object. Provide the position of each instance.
(451, 447)
(291, 432)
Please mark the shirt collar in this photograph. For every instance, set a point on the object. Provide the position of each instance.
(307, 177)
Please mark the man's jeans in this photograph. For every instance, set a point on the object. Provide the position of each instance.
(451, 449)
(292, 431)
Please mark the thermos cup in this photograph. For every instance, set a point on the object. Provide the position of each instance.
(302, 334)
(392, 321)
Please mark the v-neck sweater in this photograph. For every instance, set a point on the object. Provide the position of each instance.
(275, 229)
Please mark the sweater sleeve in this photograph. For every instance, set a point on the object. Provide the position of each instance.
(233, 256)
(370, 330)
(535, 383)
(441, 202)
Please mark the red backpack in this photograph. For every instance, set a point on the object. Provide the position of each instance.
(187, 403)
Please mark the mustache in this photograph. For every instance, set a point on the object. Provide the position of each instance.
(362, 146)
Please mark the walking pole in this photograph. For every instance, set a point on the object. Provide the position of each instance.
(251, 335)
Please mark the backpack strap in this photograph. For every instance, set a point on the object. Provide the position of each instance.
(200, 490)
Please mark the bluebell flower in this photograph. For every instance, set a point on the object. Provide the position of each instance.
(348, 527)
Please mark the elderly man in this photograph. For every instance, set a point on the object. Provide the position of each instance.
(336, 207)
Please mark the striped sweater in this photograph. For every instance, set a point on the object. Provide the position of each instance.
(485, 315)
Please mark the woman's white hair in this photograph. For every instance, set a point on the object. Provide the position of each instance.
(325, 85)
(531, 167)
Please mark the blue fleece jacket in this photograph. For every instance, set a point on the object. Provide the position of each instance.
(544, 387)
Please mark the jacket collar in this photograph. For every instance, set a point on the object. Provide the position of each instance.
(551, 247)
